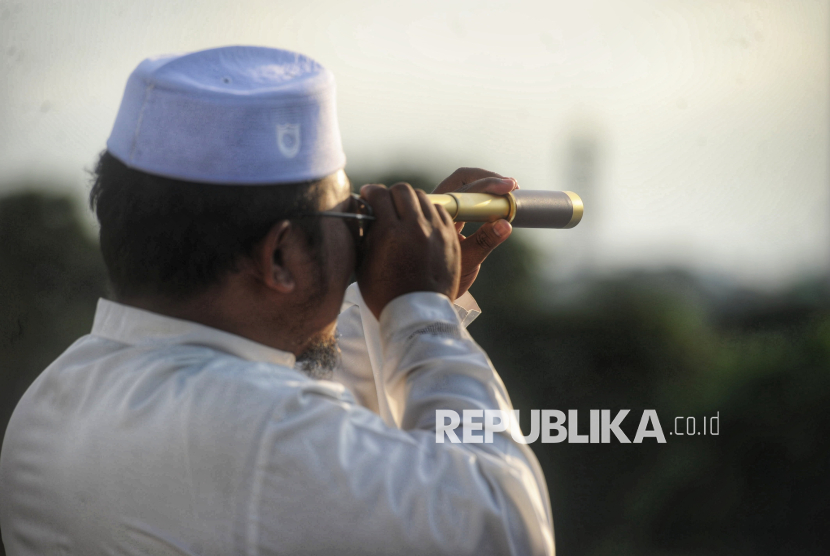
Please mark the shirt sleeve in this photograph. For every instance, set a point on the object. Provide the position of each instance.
(374, 488)
(361, 355)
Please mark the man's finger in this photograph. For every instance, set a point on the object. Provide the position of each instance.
(462, 177)
(497, 186)
(405, 200)
(380, 200)
(443, 214)
(426, 206)
(475, 248)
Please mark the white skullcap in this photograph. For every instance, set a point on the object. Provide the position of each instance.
(231, 115)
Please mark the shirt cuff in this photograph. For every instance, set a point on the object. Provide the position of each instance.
(467, 309)
(414, 309)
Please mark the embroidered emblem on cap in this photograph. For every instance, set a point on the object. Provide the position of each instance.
(288, 139)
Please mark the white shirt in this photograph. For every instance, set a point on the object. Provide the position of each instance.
(154, 435)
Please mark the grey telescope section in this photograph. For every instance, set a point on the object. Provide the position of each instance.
(542, 209)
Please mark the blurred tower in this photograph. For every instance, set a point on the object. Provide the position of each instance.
(582, 152)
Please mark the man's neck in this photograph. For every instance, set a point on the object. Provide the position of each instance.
(220, 308)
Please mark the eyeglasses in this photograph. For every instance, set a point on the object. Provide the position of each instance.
(358, 217)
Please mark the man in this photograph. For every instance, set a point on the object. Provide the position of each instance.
(180, 425)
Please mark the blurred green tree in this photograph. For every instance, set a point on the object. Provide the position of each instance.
(51, 277)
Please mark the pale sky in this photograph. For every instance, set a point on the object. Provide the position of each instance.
(707, 120)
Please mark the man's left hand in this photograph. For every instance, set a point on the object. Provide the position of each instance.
(474, 249)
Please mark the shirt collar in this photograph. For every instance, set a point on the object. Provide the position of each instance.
(133, 326)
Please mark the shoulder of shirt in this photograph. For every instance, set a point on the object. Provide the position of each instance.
(202, 365)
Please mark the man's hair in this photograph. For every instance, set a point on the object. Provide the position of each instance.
(171, 238)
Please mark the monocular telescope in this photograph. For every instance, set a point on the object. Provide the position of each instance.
(523, 209)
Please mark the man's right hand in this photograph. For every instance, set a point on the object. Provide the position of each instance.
(412, 246)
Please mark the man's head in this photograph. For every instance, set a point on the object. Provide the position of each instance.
(204, 195)
(173, 239)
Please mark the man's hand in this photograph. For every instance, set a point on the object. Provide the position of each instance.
(412, 246)
(474, 249)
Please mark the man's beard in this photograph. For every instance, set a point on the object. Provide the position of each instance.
(320, 358)
(322, 355)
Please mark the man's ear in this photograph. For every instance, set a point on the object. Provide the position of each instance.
(271, 258)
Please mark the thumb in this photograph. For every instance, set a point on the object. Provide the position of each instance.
(475, 248)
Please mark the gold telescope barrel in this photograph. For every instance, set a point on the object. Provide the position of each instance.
(523, 209)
